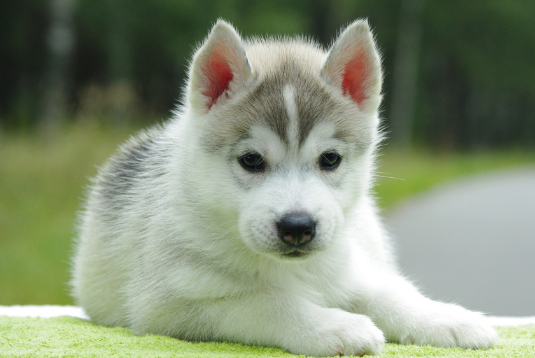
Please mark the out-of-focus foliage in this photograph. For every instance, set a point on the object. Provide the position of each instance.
(476, 78)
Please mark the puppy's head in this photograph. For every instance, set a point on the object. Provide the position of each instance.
(287, 133)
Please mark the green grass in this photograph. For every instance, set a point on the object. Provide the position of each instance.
(73, 337)
(42, 185)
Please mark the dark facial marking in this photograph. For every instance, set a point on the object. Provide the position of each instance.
(264, 104)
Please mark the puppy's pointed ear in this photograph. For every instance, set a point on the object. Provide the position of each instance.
(219, 68)
(353, 65)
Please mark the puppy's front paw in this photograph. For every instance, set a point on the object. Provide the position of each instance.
(449, 325)
(343, 333)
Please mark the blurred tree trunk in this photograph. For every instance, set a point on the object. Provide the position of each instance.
(320, 14)
(450, 98)
(60, 40)
(405, 81)
(120, 58)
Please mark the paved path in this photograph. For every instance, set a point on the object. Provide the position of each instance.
(473, 242)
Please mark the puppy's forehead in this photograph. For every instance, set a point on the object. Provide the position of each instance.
(290, 102)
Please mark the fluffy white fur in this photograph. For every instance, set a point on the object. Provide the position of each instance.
(177, 238)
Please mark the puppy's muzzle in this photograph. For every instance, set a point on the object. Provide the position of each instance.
(296, 229)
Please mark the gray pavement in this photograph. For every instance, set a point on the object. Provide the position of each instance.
(472, 242)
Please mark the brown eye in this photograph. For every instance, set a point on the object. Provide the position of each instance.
(330, 160)
(252, 162)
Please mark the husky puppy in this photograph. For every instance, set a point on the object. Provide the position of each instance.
(248, 216)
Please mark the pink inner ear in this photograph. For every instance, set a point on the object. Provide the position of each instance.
(219, 76)
(354, 78)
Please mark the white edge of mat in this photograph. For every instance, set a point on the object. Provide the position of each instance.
(42, 311)
(56, 311)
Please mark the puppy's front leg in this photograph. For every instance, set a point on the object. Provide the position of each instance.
(408, 317)
(275, 318)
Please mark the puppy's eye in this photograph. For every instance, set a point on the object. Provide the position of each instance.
(330, 160)
(252, 162)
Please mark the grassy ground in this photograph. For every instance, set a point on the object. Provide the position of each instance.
(73, 337)
(42, 185)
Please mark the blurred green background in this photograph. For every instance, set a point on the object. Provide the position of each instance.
(77, 77)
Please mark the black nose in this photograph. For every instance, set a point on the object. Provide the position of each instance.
(296, 229)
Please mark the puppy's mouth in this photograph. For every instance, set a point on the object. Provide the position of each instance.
(295, 254)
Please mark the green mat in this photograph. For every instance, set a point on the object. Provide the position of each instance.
(74, 337)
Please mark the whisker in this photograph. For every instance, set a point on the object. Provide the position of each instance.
(383, 176)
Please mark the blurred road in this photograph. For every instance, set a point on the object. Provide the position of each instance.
(472, 242)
